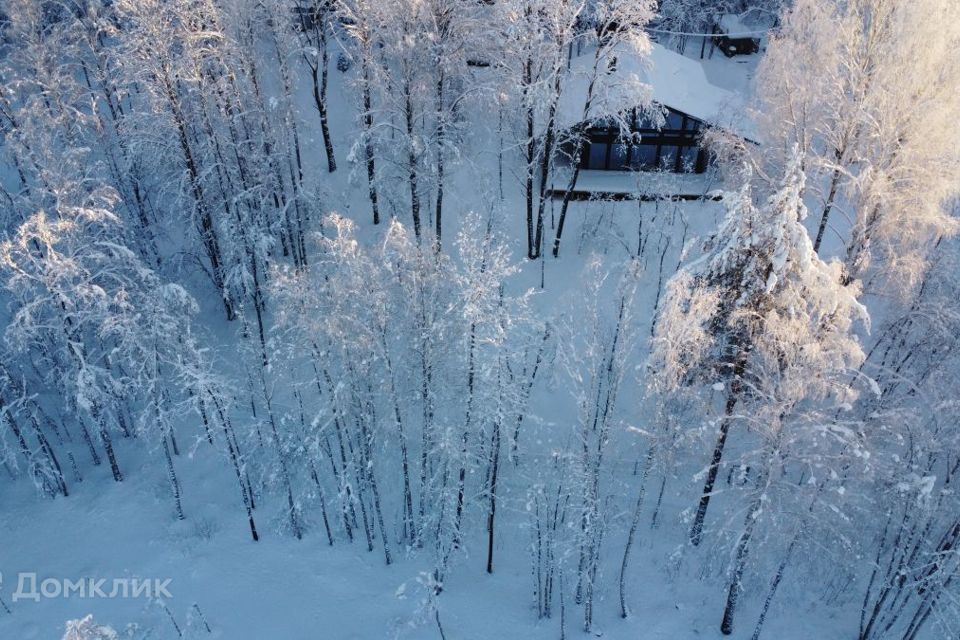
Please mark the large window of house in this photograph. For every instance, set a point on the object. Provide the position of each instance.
(673, 147)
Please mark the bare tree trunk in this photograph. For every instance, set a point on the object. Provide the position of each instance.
(735, 588)
(344, 442)
(409, 525)
(94, 456)
(567, 196)
(466, 432)
(696, 531)
(825, 215)
(494, 471)
(412, 176)
(106, 441)
(236, 461)
(51, 457)
(24, 448)
(441, 135)
(375, 491)
(531, 154)
(579, 147)
(320, 95)
(527, 389)
(633, 531)
(282, 458)
(546, 161)
(368, 142)
(208, 232)
(172, 476)
(426, 398)
(774, 584)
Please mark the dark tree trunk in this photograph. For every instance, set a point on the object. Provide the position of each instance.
(633, 531)
(567, 196)
(774, 584)
(107, 444)
(546, 163)
(320, 101)
(441, 135)
(409, 526)
(51, 457)
(494, 471)
(531, 154)
(412, 176)
(94, 456)
(527, 390)
(736, 586)
(578, 148)
(346, 490)
(174, 482)
(368, 468)
(466, 434)
(282, 459)
(24, 448)
(696, 531)
(208, 233)
(320, 95)
(237, 466)
(368, 141)
(825, 216)
(426, 398)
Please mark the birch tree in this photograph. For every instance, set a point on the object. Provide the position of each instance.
(834, 83)
(711, 321)
(619, 27)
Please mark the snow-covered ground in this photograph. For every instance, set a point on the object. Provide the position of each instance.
(284, 589)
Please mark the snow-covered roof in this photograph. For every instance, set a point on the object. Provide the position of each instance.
(733, 25)
(752, 23)
(664, 76)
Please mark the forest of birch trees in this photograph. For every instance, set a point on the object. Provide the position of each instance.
(179, 277)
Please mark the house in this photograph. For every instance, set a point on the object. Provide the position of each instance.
(615, 136)
(734, 37)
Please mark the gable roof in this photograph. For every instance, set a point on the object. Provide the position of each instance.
(663, 76)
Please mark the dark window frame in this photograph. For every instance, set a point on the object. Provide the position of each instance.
(678, 139)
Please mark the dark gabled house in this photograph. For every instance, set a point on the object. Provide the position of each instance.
(616, 136)
(735, 38)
